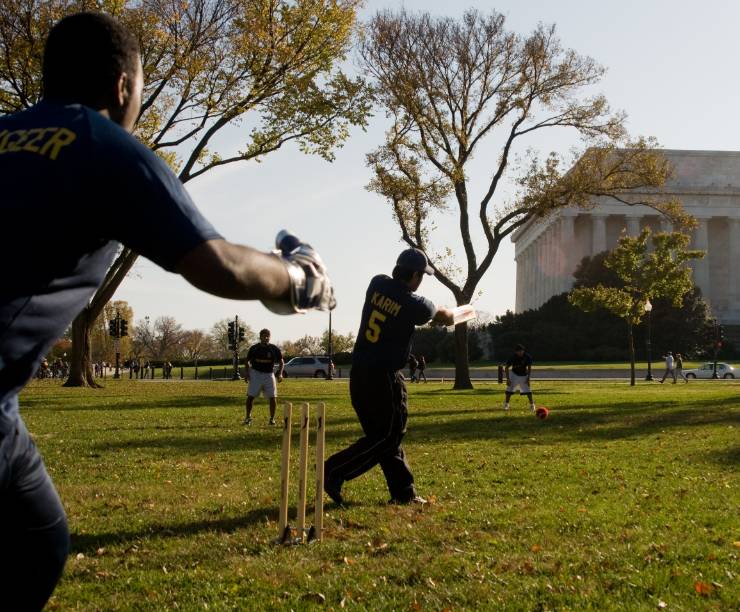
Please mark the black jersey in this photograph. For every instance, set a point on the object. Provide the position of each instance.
(389, 317)
(75, 184)
(519, 364)
(263, 357)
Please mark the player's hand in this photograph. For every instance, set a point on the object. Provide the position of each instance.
(310, 287)
(280, 378)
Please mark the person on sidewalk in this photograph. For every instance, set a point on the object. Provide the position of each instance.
(389, 317)
(422, 367)
(679, 368)
(670, 367)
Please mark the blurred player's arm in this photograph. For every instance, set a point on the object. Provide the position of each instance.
(236, 272)
(443, 316)
(281, 370)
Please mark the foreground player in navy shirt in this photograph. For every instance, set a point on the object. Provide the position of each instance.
(75, 184)
(389, 317)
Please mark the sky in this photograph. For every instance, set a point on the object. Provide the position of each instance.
(671, 66)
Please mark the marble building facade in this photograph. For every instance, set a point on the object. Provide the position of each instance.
(548, 251)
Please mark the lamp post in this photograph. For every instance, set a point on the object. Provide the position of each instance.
(331, 356)
(648, 309)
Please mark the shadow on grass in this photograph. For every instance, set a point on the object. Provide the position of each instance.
(88, 543)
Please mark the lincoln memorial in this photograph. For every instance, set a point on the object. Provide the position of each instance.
(707, 183)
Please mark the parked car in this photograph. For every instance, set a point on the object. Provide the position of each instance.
(724, 370)
(316, 366)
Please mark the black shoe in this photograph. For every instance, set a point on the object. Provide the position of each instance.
(334, 490)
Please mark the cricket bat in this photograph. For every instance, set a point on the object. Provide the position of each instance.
(463, 313)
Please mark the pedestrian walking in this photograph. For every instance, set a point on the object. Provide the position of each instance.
(413, 364)
(678, 370)
(670, 367)
(389, 316)
(422, 367)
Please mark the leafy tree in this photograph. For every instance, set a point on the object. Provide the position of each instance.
(167, 338)
(307, 345)
(195, 344)
(339, 343)
(220, 338)
(102, 345)
(451, 85)
(660, 273)
(265, 67)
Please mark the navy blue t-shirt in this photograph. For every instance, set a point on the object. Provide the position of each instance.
(389, 317)
(263, 357)
(74, 186)
(519, 364)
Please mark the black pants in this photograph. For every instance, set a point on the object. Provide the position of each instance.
(379, 399)
(34, 539)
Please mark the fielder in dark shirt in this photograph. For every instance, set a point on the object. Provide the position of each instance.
(520, 364)
(389, 317)
(261, 359)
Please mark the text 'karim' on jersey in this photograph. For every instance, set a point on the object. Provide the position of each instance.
(385, 304)
(42, 141)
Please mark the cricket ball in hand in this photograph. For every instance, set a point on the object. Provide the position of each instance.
(541, 412)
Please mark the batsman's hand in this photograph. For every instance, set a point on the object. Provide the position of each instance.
(310, 287)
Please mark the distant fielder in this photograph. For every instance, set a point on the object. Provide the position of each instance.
(518, 379)
(261, 360)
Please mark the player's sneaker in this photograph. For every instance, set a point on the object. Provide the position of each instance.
(272, 421)
(247, 421)
(416, 499)
(506, 407)
(531, 408)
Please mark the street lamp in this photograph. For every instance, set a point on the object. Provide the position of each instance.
(331, 357)
(648, 309)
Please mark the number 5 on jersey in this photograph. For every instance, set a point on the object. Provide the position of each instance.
(372, 333)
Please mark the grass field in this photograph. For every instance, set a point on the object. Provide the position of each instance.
(625, 498)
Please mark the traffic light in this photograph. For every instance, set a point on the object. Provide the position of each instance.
(113, 328)
(232, 335)
(241, 334)
(124, 328)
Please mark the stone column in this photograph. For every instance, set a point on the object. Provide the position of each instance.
(568, 251)
(701, 266)
(733, 265)
(633, 226)
(598, 229)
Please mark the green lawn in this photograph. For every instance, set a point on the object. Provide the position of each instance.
(625, 498)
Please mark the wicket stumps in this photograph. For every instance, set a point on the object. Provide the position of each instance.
(286, 534)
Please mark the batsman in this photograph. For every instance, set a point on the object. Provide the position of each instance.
(391, 312)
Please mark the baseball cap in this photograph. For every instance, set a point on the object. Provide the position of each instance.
(414, 259)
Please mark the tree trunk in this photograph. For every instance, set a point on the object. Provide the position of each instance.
(631, 341)
(80, 367)
(462, 367)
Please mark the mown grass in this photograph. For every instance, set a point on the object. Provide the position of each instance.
(625, 498)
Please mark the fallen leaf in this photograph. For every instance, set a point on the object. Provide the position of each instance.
(431, 583)
(662, 605)
(80, 556)
(702, 588)
(536, 548)
(415, 605)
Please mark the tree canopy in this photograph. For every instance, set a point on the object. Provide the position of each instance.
(449, 85)
(644, 275)
(266, 68)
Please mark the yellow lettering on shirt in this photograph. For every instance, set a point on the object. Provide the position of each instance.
(386, 304)
(47, 142)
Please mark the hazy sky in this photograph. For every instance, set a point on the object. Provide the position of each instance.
(671, 67)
